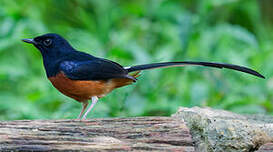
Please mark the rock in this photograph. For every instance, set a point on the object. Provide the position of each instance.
(268, 147)
(219, 130)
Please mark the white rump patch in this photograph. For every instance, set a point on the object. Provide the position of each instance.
(127, 67)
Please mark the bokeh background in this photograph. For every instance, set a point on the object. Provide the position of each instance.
(135, 32)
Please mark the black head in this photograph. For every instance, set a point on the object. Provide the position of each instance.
(50, 44)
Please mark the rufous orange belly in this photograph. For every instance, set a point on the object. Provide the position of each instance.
(82, 90)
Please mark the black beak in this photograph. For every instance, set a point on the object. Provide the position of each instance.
(31, 41)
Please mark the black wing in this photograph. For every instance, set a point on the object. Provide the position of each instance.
(96, 69)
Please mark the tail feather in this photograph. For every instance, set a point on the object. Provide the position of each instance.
(185, 63)
(136, 74)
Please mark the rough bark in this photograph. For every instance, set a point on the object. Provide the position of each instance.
(118, 134)
(209, 130)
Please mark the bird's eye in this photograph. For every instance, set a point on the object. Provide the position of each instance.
(47, 42)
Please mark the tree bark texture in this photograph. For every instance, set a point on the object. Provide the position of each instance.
(190, 129)
(113, 134)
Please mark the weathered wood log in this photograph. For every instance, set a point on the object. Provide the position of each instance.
(190, 129)
(118, 134)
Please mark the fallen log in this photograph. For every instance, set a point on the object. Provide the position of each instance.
(190, 129)
(115, 134)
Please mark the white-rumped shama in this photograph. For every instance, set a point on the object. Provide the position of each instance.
(82, 76)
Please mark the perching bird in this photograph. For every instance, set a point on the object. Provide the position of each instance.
(82, 76)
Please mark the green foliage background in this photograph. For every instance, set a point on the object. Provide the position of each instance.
(136, 32)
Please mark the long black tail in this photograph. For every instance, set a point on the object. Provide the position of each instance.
(208, 64)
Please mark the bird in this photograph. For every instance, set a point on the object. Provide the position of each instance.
(84, 77)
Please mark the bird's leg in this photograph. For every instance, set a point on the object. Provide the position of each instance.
(84, 105)
(94, 101)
